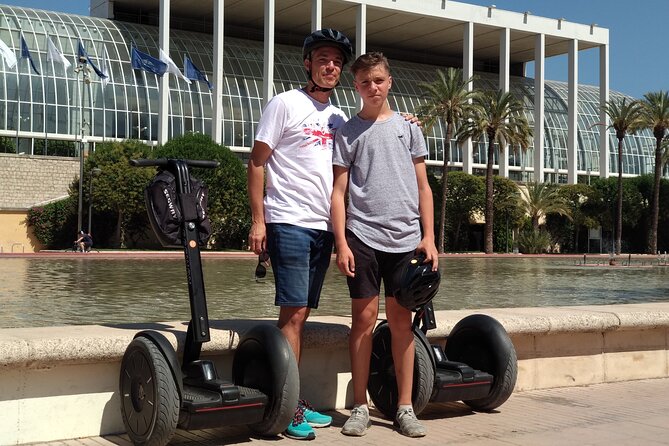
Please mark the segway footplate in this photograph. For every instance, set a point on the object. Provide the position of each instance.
(202, 408)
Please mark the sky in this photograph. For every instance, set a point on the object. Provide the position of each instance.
(638, 61)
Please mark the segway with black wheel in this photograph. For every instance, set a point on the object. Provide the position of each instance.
(158, 392)
(478, 366)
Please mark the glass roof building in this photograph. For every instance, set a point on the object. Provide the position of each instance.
(48, 113)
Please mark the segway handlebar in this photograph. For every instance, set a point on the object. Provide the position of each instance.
(164, 162)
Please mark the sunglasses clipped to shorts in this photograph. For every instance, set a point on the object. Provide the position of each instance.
(261, 268)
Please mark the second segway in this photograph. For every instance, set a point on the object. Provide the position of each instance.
(478, 365)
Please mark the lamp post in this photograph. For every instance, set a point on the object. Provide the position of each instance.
(94, 173)
(82, 67)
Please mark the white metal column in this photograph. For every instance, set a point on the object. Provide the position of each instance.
(316, 15)
(539, 73)
(467, 72)
(604, 160)
(268, 65)
(163, 86)
(504, 68)
(360, 38)
(217, 119)
(361, 30)
(572, 122)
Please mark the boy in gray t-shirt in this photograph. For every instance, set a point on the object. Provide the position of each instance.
(379, 158)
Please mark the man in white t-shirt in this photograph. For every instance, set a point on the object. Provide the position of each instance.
(294, 142)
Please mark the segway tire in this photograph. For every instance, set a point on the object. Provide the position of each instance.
(481, 342)
(382, 383)
(265, 361)
(149, 397)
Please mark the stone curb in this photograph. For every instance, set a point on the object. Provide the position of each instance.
(43, 347)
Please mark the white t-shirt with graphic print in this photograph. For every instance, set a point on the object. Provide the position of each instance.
(300, 131)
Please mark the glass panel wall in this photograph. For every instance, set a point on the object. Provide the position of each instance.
(57, 106)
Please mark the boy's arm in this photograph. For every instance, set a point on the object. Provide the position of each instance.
(256, 184)
(426, 210)
(345, 260)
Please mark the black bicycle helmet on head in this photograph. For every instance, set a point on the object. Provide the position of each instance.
(418, 283)
(328, 37)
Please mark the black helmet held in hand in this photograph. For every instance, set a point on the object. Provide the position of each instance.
(418, 283)
(328, 37)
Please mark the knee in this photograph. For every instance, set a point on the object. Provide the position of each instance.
(400, 323)
(293, 320)
(364, 320)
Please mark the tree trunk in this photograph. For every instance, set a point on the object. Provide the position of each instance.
(117, 235)
(456, 238)
(619, 205)
(444, 188)
(655, 202)
(487, 244)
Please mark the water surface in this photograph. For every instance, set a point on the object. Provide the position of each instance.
(86, 290)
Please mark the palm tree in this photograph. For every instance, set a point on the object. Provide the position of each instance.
(626, 117)
(541, 199)
(656, 117)
(498, 116)
(448, 102)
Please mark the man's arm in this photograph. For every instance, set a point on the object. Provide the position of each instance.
(256, 185)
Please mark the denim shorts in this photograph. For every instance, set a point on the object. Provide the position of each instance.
(373, 266)
(300, 258)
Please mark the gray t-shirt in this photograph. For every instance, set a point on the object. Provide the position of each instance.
(383, 192)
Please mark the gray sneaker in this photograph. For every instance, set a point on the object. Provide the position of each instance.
(358, 423)
(409, 424)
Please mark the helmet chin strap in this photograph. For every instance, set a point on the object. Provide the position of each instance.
(316, 87)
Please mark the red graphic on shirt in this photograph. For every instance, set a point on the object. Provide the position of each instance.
(318, 137)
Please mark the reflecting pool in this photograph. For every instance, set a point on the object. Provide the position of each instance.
(86, 290)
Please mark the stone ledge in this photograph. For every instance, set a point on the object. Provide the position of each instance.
(47, 346)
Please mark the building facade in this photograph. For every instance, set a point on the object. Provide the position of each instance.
(250, 50)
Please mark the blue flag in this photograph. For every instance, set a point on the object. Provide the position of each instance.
(83, 57)
(193, 73)
(25, 54)
(142, 61)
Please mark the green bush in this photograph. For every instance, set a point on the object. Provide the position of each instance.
(534, 242)
(118, 193)
(53, 223)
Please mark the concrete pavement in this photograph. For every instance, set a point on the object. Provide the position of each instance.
(622, 413)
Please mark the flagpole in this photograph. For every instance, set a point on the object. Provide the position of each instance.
(83, 69)
(46, 98)
(104, 101)
(18, 104)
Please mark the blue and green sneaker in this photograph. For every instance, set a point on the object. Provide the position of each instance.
(315, 419)
(299, 429)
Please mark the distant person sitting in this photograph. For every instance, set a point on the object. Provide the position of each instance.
(85, 241)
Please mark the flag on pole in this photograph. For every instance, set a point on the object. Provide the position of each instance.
(84, 58)
(52, 54)
(25, 54)
(105, 67)
(142, 61)
(171, 66)
(7, 54)
(192, 72)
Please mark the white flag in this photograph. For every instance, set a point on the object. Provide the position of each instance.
(53, 54)
(171, 66)
(105, 68)
(8, 55)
